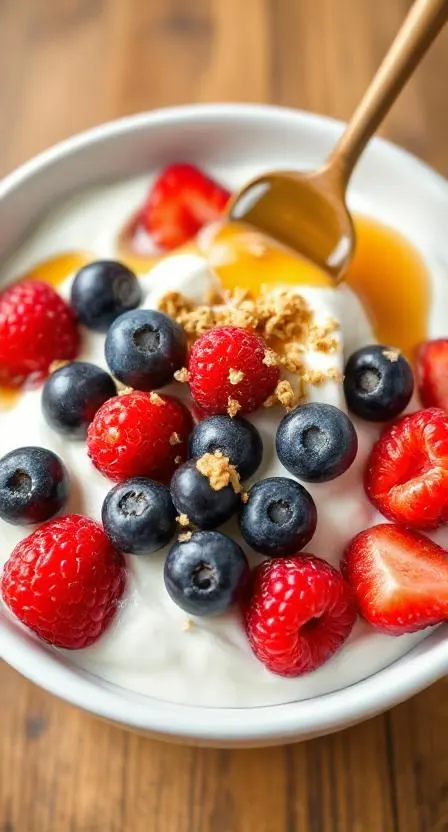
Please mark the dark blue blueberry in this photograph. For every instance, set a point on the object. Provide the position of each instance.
(378, 383)
(206, 574)
(193, 495)
(238, 439)
(316, 442)
(103, 290)
(138, 516)
(34, 485)
(279, 518)
(73, 394)
(144, 348)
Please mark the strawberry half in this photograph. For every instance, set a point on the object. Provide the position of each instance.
(432, 373)
(399, 578)
(407, 471)
(180, 202)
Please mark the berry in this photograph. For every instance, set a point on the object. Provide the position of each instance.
(37, 327)
(103, 290)
(399, 577)
(139, 435)
(193, 495)
(298, 611)
(407, 471)
(432, 373)
(378, 383)
(144, 348)
(138, 516)
(236, 438)
(73, 394)
(228, 363)
(64, 581)
(316, 442)
(180, 202)
(34, 485)
(206, 574)
(279, 518)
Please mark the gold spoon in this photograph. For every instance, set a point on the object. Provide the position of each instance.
(307, 211)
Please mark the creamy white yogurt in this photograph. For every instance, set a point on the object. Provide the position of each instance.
(152, 647)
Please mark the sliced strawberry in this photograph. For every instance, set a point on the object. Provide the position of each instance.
(180, 202)
(399, 577)
(432, 373)
(407, 472)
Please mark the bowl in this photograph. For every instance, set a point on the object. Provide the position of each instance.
(235, 141)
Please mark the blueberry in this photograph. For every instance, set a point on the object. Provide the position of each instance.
(103, 290)
(237, 438)
(193, 495)
(279, 518)
(144, 348)
(206, 574)
(378, 383)
(138, 516)
(316, 442)
(73, 394)
(34, 485)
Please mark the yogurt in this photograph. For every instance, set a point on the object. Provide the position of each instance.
(152, 647)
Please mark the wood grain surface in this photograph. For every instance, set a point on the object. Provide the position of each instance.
(69, 64)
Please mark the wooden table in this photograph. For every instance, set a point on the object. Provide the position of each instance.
(70, 64)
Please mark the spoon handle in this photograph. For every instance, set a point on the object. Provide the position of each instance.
(421, 26)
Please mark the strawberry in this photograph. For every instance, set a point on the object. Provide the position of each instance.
(180, 202)
(432, 373)
(407, 471)
(399, 577)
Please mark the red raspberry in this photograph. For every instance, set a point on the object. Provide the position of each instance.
(36, 328)
(64, 581)
(139, 435)
(218, 357)
(407, 472)
(299, 611)
(432, 373)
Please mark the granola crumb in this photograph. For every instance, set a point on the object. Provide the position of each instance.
(175, 439)
(187, 624)
(183, 520)
(233, 406)
(245, 497)
(177, 460)
(285, 394)
(56, 365)
(318, 377)
(154, 398)
(185, 537)
(219, 471)
(213, 297)
(270, 358)
(235, 376)
(182, 375)
(175, 304)
(391, 355)
(124, 390)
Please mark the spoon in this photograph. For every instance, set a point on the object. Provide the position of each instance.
(307, 211)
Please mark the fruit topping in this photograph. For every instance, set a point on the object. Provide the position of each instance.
(34, 485)
(399, 577)
(231, 371)
(206, 574)
(64, 581)
(298, 612)
(378, 383)
(316, 442)
(138, 516)
(236, 438)
(206, 490)
(103, 290)
(181, 200)
(432, 373)
(145, 348)
(139, 435)
(72, 395)
(37, 327)
(279, 518)
(407, 471)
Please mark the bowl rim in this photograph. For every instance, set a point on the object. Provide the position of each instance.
(322, 714)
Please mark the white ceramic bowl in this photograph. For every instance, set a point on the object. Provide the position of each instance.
(237, 140)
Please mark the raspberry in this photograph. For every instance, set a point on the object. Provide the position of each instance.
(36, 328)
(298, 612)
(139, 435)
(64, 581)
(229, 365)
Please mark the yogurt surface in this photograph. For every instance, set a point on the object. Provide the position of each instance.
(152, 647)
